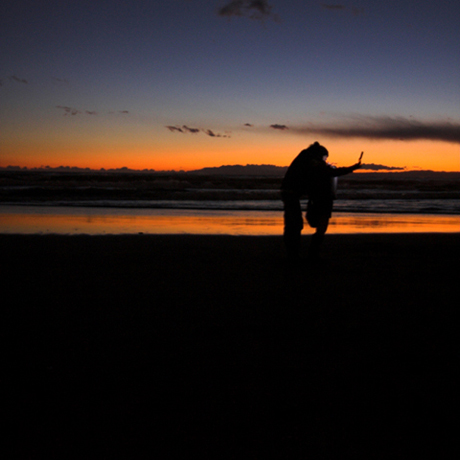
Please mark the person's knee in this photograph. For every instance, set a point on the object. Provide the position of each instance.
(323, 223)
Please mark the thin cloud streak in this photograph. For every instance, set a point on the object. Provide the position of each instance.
(17, 79)
(252, 9)
(68, 110)
(73, 111)
(186, 129)
(191, 130)
(387, 128)
(279, 127)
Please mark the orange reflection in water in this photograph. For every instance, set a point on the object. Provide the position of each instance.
(29, 219)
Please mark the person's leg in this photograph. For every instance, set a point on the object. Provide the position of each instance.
(318, 237)
(293, 225)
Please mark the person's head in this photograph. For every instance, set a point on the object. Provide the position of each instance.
(317, 151)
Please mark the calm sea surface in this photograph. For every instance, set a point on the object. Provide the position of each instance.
(106, 203)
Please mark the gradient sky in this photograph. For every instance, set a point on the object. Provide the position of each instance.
(185, 84)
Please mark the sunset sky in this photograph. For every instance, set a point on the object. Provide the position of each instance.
(186, 84)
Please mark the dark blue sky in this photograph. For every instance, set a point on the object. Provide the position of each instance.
(383, 69)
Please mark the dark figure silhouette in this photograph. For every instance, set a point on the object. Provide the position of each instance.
(310, 175)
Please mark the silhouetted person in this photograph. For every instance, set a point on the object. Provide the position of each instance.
(309, 175)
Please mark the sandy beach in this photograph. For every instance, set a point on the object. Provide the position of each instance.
(192, 346)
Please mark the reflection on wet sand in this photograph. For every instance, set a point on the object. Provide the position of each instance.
(24, 219)
(393, 223)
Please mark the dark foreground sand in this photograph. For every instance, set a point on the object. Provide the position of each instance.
(211, 347)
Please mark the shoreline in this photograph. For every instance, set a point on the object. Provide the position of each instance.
(76, 220)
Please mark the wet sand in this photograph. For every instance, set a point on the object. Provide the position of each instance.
(173, 346)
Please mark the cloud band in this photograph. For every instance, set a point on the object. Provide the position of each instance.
(381, 128)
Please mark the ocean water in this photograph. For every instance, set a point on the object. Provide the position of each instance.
(368, 205)
(101, 204)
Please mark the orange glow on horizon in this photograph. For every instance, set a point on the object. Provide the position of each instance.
(421, 155)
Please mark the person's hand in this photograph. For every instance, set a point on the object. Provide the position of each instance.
(358, 165)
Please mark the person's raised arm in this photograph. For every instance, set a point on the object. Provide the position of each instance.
(335, 172)
(358, 165)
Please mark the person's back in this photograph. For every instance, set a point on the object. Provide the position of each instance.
(304, 171)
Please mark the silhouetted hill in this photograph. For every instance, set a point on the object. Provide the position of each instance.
(240, 170)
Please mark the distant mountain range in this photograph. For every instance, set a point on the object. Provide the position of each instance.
(227, 170)
(239, 170)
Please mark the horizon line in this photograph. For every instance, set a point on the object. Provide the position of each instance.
(370, 169)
